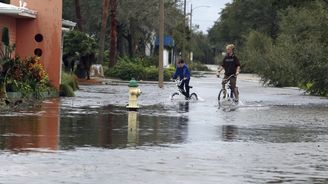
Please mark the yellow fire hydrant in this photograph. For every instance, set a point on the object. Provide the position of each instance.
(134, 93)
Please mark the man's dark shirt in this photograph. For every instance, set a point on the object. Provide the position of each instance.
(230, 64)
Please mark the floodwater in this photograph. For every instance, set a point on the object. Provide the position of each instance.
(275, 135)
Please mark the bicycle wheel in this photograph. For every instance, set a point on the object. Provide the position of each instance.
(222, 95)
(174, 95)
(193, 96)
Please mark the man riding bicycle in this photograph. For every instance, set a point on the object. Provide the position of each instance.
(231, 67)
(183, 73)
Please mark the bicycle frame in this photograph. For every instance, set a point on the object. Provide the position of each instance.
(225, 96)
(227, 82)
(182, 91)
(178, 83)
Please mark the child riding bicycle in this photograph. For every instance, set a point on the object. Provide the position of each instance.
(183, 73)
(231, 67)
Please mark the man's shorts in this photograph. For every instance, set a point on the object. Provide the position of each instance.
(233, 81)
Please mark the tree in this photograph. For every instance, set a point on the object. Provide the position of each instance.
(78, 15)
(136, 22)
(298, 55)
(113, 34)
(102, 35)
(91, 13)
(201, 48)
(82, 47)
(242, 16)
(305, 30)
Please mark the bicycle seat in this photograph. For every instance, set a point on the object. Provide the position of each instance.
(190, 87)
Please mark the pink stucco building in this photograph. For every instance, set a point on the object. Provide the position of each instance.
(36, 28)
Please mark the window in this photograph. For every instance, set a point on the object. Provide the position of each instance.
(38, 52)
(38, 38)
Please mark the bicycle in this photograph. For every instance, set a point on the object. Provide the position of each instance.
(192, 96)
(227, 97)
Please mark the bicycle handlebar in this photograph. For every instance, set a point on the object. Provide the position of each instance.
(176, 81)
(227, 79)
(233, 75)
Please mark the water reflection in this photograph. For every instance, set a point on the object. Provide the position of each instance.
(28, 130)
(183, 107)
(229, 133)
(102, 130)
(133, 126)
(113, 128)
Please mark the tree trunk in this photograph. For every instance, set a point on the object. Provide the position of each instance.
(78, 15)
(113, 34)
(120, 41)
(103, 30)
(130, 43)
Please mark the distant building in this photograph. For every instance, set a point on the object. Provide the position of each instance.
(169, 50)
(35, 26)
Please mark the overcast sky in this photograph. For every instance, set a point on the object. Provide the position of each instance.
(206, 16)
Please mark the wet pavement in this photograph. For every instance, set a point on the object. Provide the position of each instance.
(275, 135)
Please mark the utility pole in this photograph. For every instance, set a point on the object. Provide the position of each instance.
(191, 30)
(161, 44)
(190, 27)
(190, 17)
(184, 29)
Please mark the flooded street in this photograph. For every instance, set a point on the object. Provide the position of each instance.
(275, 135)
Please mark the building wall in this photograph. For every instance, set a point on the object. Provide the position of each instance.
(48, 23)
(166, 56)
(10, 23)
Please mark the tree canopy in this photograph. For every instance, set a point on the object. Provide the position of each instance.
(283, 41)
(137, 24)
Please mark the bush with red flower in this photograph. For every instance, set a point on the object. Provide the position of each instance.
(27, 76)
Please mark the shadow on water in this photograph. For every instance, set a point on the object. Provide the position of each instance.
(108, 127)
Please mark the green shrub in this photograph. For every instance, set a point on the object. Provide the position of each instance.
(273, 62)
(68, 85)
(66, 90)
(198, 66)
(27, 76)
(126, 70)
(151, 73)
(137, 68)
(306, 30)
(168, 72)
